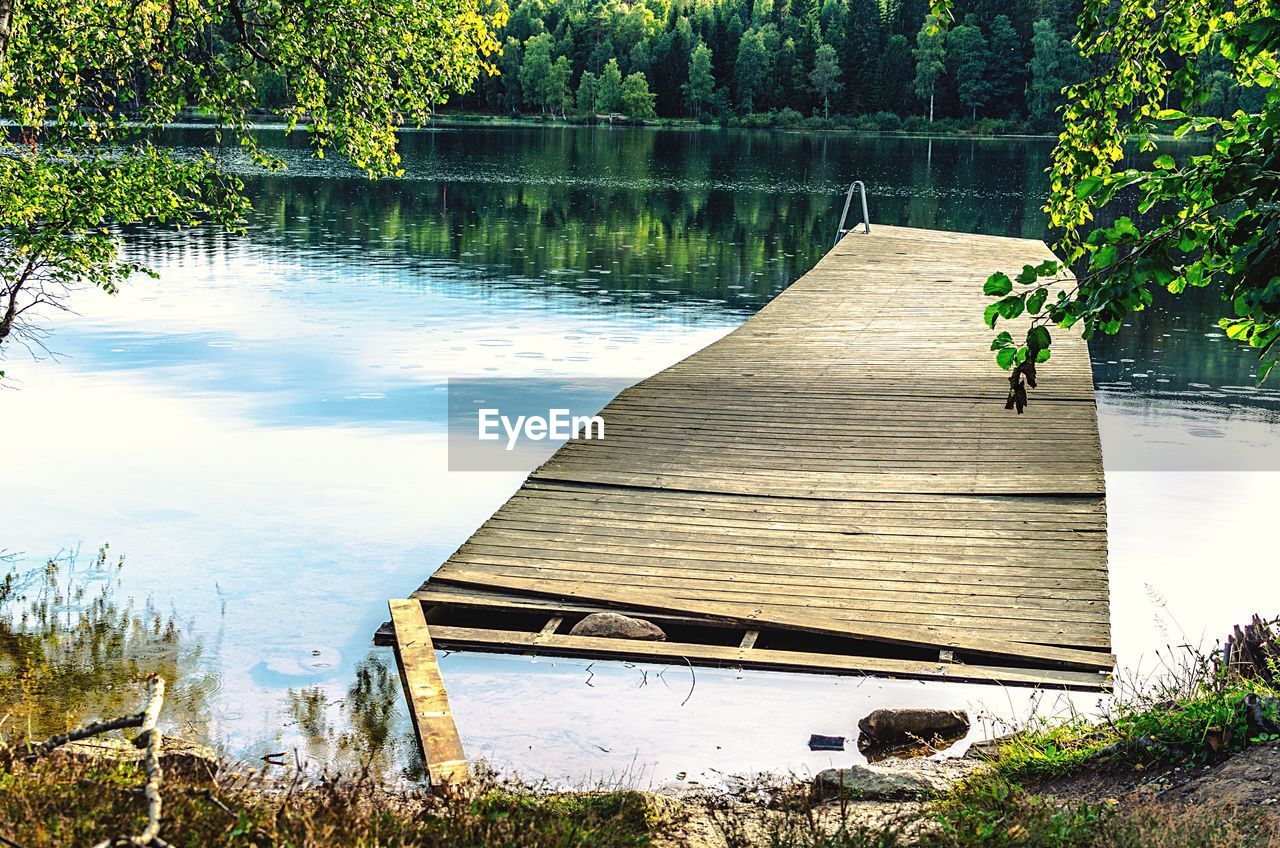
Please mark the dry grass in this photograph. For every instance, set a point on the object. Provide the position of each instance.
(62, 802)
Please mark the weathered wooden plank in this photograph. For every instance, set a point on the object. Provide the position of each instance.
(424, 690)
(749, 656)
(747, 613)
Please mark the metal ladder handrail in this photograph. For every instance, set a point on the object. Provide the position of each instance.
(841, 232)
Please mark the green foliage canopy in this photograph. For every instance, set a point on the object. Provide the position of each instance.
(968, 53)
(825, 75)
(1205, 218)
(636, 100)
(85, 85)
(930, 54)
(699, 91)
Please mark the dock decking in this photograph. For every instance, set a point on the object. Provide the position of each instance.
(833, 487)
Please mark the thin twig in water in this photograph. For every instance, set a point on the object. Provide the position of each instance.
(693, 681)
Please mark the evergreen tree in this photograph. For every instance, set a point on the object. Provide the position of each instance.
(790, 79)
(699, 91)
(968, 52)
(512, 55)
(895, 70)
(763, 55)
(825, 76)
(609, 92)
(636, 101)
(931, 56)
(1004, 64)
(862, 51)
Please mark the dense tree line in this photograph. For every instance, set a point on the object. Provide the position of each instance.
(771, 61)
(716, 59)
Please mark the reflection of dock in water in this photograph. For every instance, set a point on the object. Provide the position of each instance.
(834, 487)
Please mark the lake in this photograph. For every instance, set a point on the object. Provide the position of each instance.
(261, 430)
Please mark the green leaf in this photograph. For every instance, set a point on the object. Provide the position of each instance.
(1038, 338)
(990, 314)
(1043, 355)
(1036, 300)
(1011, 307)
(1002, 340)
(1236, 330)
(1005, 357)
(1087, 187)
(1165, 162)
(1028, 275)
(1104, 257)
(997, 285)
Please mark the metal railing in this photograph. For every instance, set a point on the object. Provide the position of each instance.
(842, 231)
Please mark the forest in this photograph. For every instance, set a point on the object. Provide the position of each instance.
(869, 64)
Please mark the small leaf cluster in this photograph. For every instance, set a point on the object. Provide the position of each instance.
(1205, 219)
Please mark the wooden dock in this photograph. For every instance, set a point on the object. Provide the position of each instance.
(833, 487)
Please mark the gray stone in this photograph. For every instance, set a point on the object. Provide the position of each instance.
(612, 625)
(875, 783)
(903, 726)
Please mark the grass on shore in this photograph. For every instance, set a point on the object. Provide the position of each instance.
(1198, 716)
(63, 802)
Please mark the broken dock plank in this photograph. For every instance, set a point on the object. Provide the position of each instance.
(433, 722)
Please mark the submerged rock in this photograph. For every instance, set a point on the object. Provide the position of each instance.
(612, 625)
(913, 726)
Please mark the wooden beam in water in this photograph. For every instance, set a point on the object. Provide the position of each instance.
(433, 723)
(504, 641)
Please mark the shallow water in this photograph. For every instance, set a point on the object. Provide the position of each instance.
(261, 431)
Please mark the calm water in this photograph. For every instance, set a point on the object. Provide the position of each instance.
(261, 431)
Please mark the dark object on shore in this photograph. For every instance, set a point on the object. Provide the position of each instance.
(818, 742)
(612, 625)
(1262, 713)
(1253, 651)
(912, 726)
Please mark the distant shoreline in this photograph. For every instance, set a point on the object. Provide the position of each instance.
(456, 120)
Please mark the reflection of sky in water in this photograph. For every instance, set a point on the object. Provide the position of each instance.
(261, 430)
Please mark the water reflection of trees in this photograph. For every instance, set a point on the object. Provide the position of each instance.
(72, 651)
(369, 732)
(731, 216)
(723, 219)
